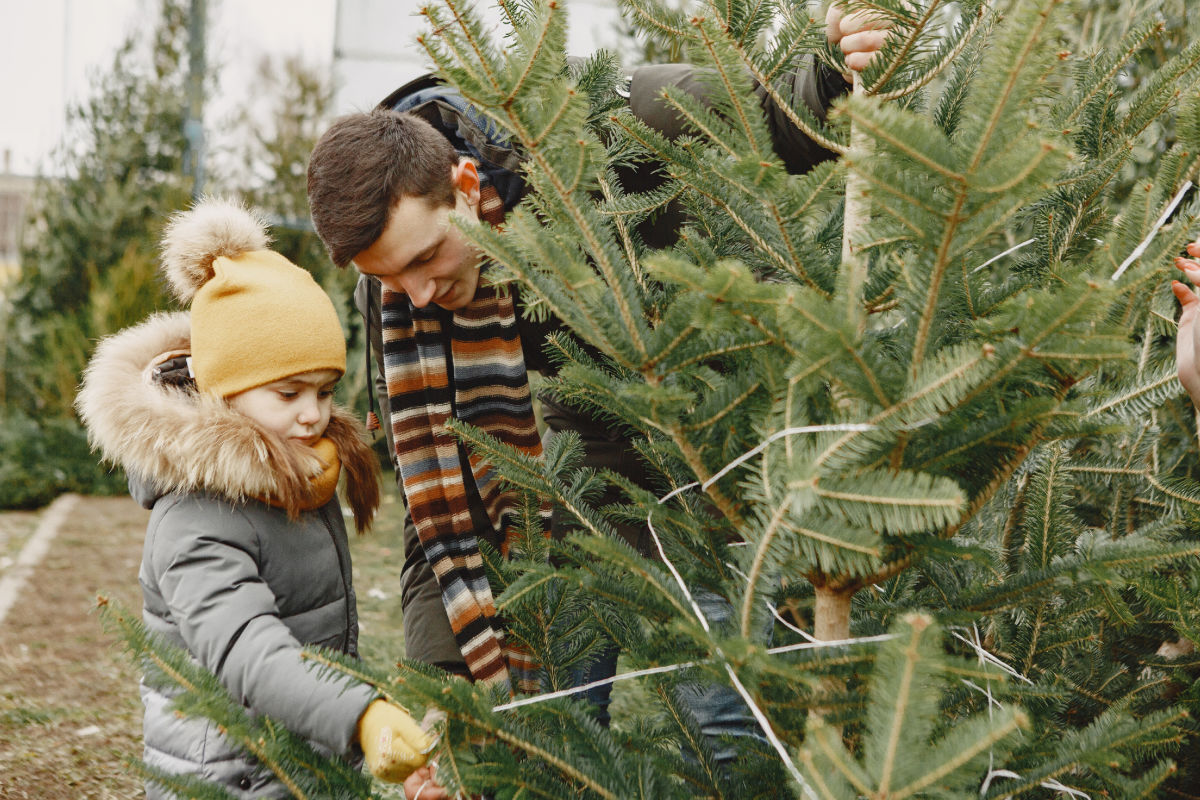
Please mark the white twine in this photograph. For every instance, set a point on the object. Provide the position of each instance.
(984, 655)
(774, 611)
(1162, 220)
(738, 572)
(812, 642)
(624, 676)
(977, 643)
(744, 457)
(996, 773)
(1051, 784)
(678, 578)
(793, 628)
(992, 701)
(1012, 249)
(1059, 787)
(817, 644)
(759, 716)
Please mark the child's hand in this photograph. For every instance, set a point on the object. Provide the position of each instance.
(859, 34)
(422, 785)
(392, 742)
(1187, 339)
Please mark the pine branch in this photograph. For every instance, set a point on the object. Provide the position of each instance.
(938, 66)
(899, 53)
(755, 572)
(1137, 400)
(1133, 41)
(626, 238)
(292, 760)
(956, 754)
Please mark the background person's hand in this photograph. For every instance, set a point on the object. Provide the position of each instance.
(1187, 338)
(860, 34)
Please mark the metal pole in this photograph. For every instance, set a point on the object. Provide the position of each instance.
(193, 125)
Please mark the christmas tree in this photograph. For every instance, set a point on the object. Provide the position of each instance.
(911, 415)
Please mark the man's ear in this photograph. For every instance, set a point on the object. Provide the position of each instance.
(465, 180)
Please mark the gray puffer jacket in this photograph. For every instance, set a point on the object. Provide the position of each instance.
(227, 577)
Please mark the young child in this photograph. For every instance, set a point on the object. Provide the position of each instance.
(246, 558)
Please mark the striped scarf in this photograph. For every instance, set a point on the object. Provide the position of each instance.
(468, 365)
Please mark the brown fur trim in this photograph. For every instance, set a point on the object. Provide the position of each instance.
(179, 440)
(360, 465)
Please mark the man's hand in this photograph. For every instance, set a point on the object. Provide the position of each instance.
(860, 34)
(422, 785)
(1187, 339)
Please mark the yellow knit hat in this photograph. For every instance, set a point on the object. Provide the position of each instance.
(256, 317)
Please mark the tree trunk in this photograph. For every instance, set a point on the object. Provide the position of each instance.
(855, 220)
(831, 615)
(831, 623)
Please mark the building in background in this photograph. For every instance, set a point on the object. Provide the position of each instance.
(59, 47)
(375, 48)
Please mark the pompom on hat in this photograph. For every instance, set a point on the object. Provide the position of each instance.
(256, 317)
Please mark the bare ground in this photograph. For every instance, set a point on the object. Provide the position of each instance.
(69, 712)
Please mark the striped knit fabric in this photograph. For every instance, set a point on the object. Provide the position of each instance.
(487, 388)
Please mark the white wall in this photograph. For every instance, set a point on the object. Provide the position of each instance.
(376, 49)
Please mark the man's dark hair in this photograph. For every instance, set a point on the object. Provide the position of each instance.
(363, 165)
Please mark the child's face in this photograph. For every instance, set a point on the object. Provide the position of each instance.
(296, 407)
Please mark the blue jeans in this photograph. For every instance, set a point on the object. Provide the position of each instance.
(717, 708)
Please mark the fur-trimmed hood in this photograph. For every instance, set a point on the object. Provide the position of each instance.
(177, 440)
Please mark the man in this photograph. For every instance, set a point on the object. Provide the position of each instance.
(382, 187)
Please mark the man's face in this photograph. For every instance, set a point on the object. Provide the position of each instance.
(423, 255)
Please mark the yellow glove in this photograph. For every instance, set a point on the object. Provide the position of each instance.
(392, 742)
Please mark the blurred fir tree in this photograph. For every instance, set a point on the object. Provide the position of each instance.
(267, 160)
(930, 417)
(1100, 22)
(90, 258)
(90, 254)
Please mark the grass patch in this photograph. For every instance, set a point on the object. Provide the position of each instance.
(377, 560)
(24, 717)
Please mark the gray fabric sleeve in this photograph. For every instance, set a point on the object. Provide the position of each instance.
(228, 619)
(814, 86)
(809, 83)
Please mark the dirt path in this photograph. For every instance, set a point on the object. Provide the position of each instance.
(69, 711)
